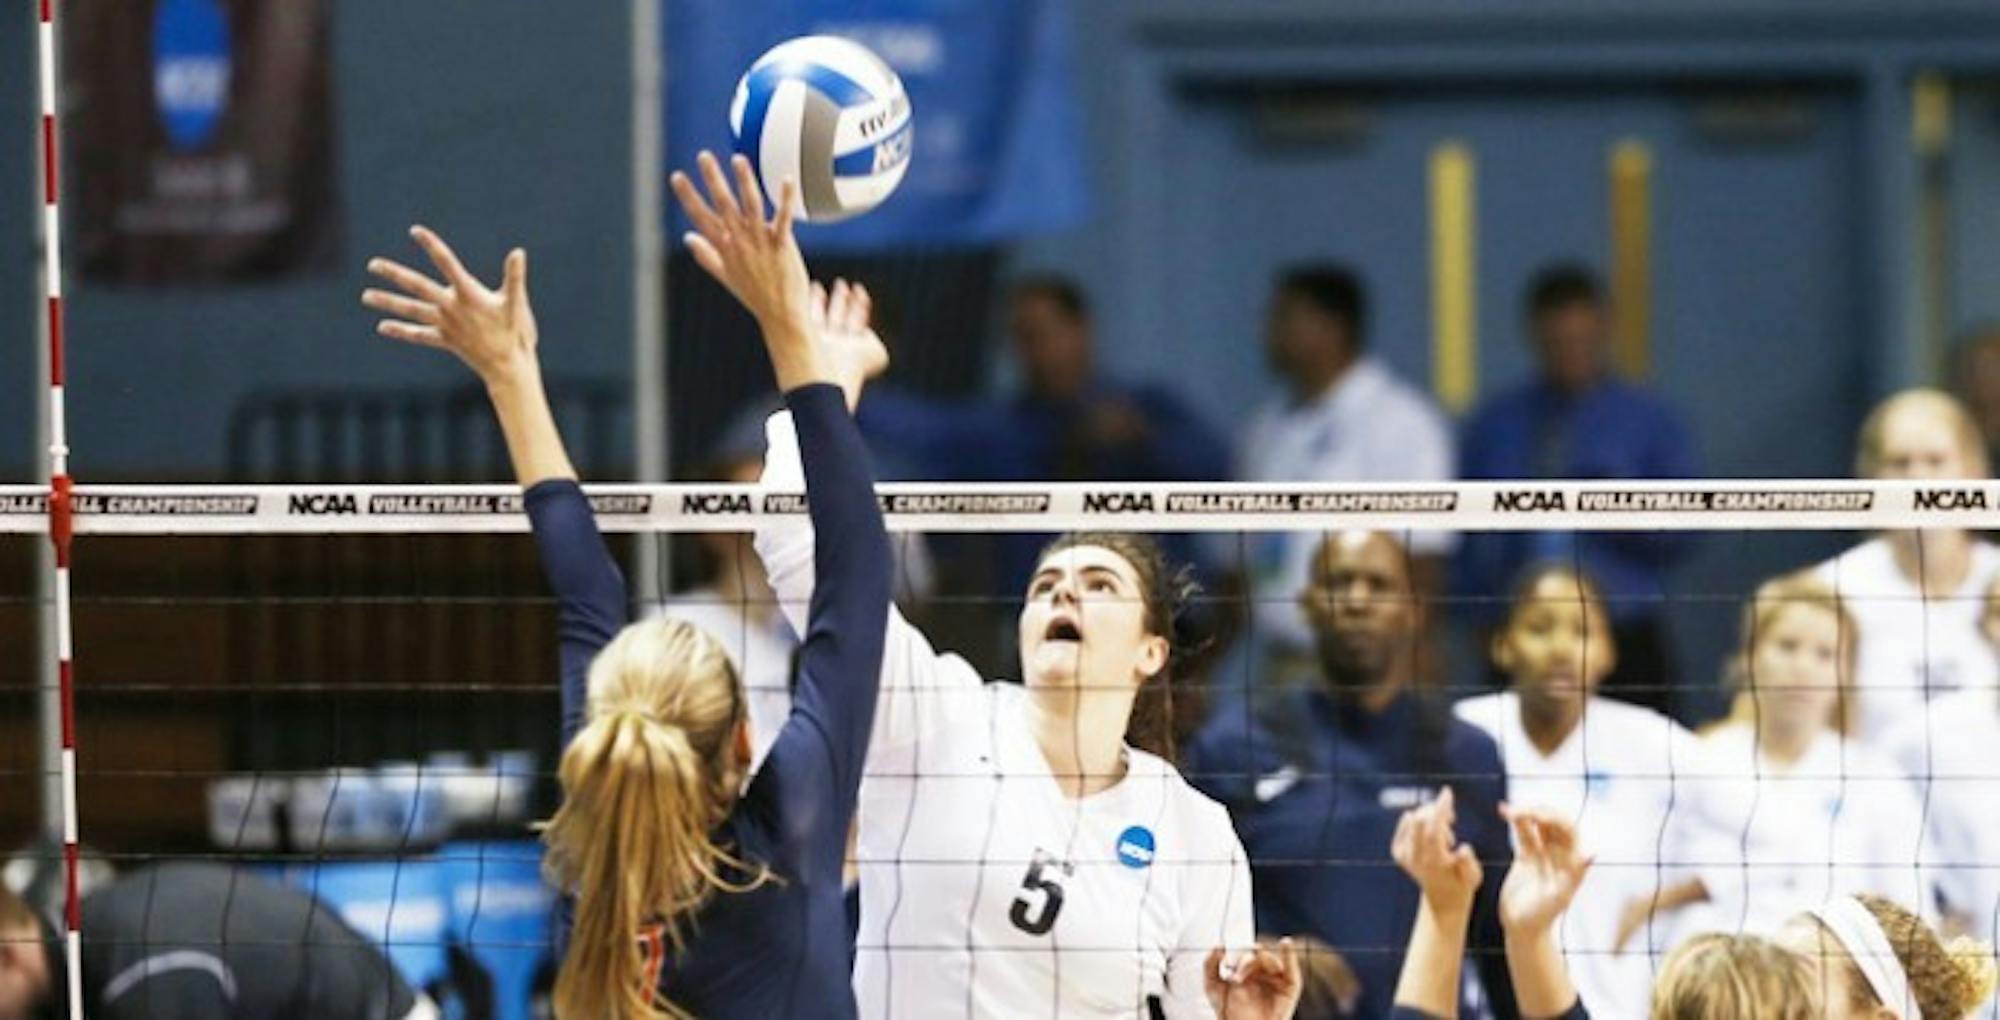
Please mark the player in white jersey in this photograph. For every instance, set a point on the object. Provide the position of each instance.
(1916, 594)
(1610, 768)
(1018, 857)
(1953, 757)
(1810, 814)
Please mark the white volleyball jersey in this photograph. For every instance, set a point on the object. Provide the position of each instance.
(1843, 819)
(986, 891)
(1953, 759)
(1615, 777)
(1911, 650)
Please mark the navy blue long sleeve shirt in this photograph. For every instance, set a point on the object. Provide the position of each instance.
(1612, 432)
(783, 948)
(1316, 804)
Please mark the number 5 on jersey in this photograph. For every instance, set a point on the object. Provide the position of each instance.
(1043, 884)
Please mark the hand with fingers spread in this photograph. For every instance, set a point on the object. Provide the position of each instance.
(1426, 848)
(493, 331)
(758, 260)
(1548, 869)
(853, 350)
(1263, 984)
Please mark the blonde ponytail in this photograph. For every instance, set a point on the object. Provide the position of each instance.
(1948, 981)
(1977, 971)
(645, 783)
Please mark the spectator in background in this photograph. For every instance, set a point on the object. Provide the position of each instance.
(1067, 422)
(1344, 417)
(1950, 758)
(1618, 770)
(1976, 380)
(1916, 595)
(1317, 776)
(1576, 421)
(1810, 814)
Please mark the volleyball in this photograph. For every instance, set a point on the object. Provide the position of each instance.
(831, 115)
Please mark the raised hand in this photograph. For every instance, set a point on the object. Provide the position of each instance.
(1547, 871)
(755, 257)
(1425, 847)
(758, 260)
(853, 350)
(492, 331)
(1263, 984)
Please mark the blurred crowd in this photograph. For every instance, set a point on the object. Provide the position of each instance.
(1854, 759)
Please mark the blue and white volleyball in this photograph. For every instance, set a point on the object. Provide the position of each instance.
(831, 115)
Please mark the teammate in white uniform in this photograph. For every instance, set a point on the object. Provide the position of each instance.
(1955, 766)
(1916, 594)
(1609, 767)
(1809, 814)
(1018, 857)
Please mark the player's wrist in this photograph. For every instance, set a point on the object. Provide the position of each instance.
(1449, 908)
(1518, 935)
(512, 376)
(786, 327)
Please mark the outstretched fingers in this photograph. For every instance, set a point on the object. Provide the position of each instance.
(719, 191)
(699, 212)
(411, 282)
(444, 259)
(749, 193)
(411, 333)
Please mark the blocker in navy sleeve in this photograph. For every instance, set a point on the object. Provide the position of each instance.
(782, 949)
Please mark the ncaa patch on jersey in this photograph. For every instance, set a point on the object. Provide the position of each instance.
(1135, 847)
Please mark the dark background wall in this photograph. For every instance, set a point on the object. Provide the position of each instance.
(499, 123)
(1789, 282)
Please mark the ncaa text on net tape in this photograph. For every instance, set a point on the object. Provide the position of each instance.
(1762, 505)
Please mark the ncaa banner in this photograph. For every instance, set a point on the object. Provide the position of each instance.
(996, 151)
(199, 138)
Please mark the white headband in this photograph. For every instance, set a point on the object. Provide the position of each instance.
(1862, 936)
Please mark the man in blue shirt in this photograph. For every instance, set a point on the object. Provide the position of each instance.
(1576, 421)
(1315, 779)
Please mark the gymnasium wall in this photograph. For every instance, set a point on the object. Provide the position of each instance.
(499, 125)
(436, 120)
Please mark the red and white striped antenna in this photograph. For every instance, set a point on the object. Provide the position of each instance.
(60, 520)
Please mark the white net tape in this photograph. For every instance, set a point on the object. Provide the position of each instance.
(1761, 505)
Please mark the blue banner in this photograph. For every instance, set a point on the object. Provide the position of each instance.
(997, 150)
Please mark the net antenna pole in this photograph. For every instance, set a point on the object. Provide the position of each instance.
(63, 723)
(649, 282)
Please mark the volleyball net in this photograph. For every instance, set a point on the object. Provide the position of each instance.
(353, 688)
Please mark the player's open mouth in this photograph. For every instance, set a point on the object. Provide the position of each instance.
(1063, 630)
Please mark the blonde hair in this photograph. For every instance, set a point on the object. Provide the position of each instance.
(1773, 597)
(1965, 431)
(1734, 977)
(644, 783)
(1948, 980)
